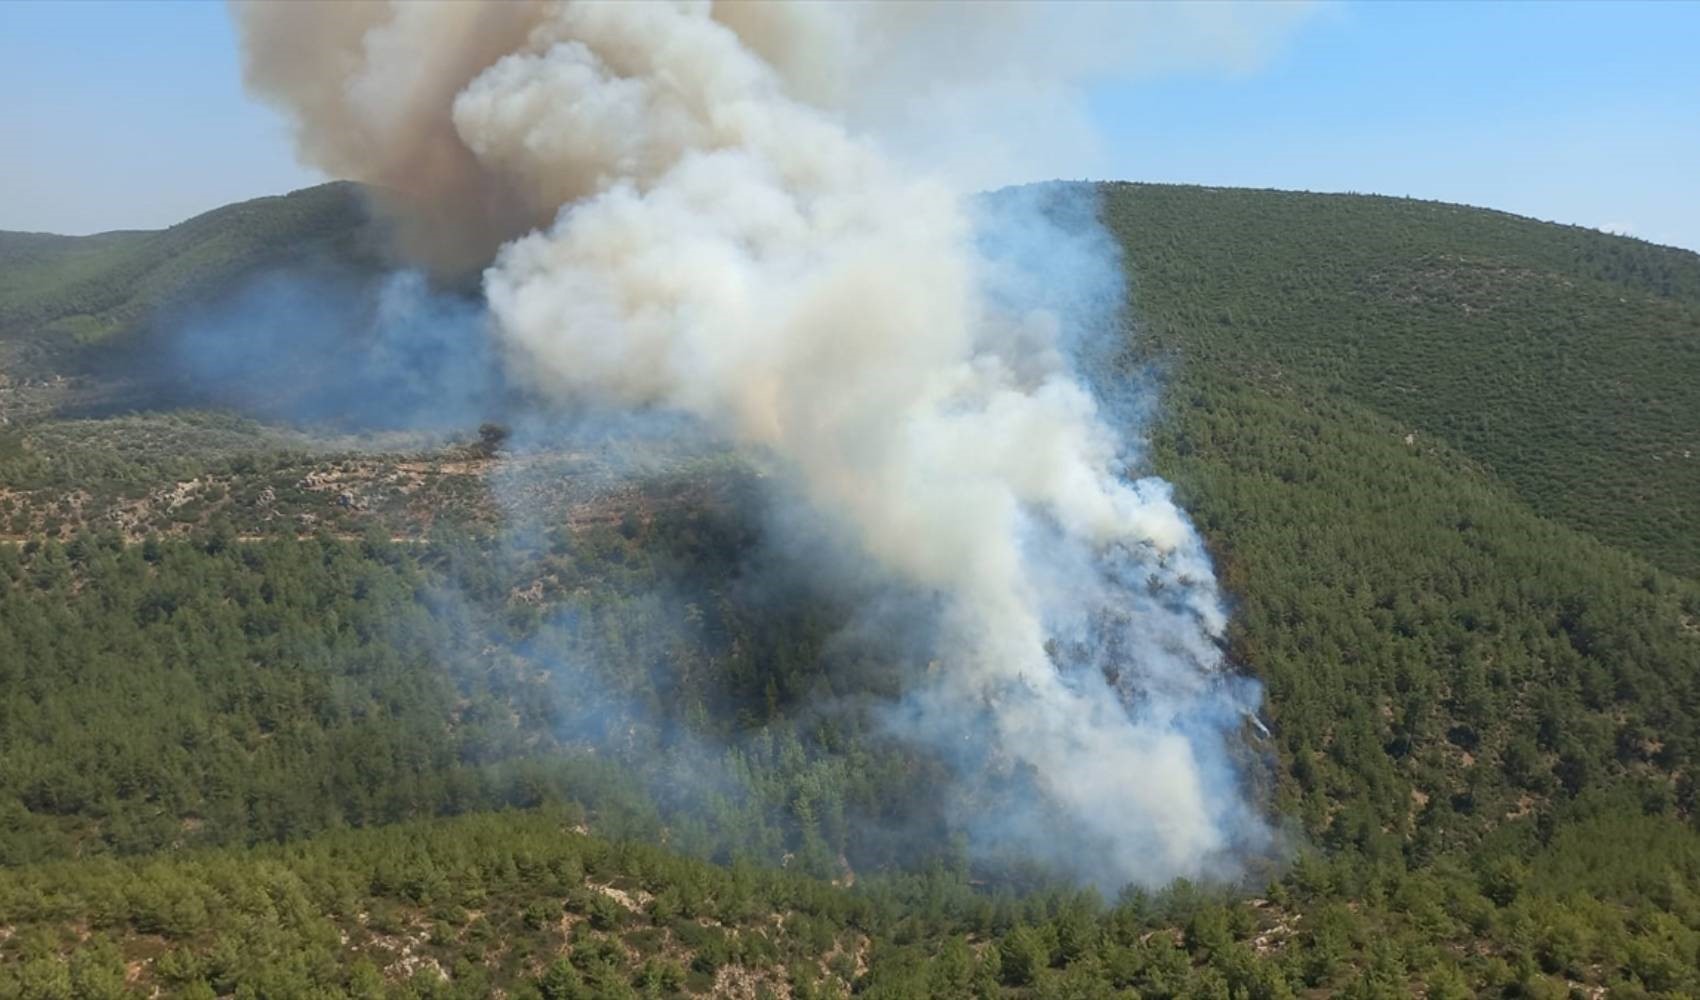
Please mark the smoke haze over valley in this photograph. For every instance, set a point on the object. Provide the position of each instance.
(699, 219)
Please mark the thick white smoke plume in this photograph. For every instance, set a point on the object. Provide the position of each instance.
(712, 208)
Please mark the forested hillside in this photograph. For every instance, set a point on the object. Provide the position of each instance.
(283, 715)
(89, 288)
(1562, 359)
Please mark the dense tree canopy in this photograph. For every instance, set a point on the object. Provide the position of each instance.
(1438, 454)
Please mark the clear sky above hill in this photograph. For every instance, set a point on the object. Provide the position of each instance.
(132, 115)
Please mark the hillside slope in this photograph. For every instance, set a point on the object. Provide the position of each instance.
(91, 287)
(1565, 360)
(1483, 686)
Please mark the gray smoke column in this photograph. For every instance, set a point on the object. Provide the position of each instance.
(704, 209)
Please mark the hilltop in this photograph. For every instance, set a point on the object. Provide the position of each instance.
(1444, 458)
(90, 288)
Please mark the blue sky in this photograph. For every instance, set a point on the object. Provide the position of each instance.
(1574, 112)
(128, 115)
(132, 115)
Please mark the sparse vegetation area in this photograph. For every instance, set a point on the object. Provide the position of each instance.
(179, 472)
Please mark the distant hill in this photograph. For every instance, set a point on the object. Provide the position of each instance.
(89, 288)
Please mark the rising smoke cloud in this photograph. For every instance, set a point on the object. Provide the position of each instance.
(721, 210)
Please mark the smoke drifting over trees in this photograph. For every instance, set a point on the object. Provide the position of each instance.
(702, 209)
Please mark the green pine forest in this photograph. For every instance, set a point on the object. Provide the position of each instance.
(286, 712)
